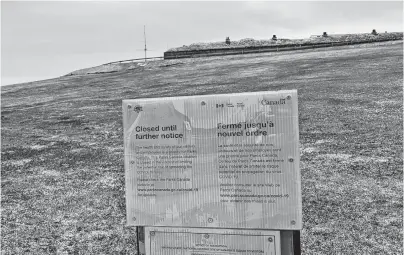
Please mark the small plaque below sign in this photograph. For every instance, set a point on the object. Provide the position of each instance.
(208, 241)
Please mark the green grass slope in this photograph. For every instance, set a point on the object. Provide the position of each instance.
(62, 172)
(106, 68)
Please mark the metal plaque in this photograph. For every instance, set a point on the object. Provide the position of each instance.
(204, 241)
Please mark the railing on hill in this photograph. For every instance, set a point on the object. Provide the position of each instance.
(258, 49)
(134, 60)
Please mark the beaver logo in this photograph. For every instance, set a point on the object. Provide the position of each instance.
(138, 108)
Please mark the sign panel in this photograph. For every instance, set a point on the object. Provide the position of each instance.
(204, 241)
(229, 161)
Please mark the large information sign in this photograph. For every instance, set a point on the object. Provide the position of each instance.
(220, 161)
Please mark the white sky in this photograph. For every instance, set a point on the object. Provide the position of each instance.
(41, 40)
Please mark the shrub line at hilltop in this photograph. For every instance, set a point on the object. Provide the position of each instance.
(249, 42)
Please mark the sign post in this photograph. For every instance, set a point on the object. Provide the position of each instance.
(223, 166)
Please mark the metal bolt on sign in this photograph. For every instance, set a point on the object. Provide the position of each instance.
(152, 233)
(129, 106)
(293, 222)
(206, 236)
(288, 97)
(290, 159)
(270, 239)
(203, 103)
(134, 218)
(210, 220)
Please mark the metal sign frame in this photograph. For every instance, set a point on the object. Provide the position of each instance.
(275, 101)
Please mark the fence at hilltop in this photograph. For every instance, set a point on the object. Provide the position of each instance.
(247, 46)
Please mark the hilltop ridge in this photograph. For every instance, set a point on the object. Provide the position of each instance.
(250, 42)
(139, 66)
(244, 43)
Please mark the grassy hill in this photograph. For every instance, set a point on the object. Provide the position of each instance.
(62, 173)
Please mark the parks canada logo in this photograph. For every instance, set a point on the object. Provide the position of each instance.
(268, 102)
(138, 108)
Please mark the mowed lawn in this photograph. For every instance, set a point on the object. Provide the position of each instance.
(62, 168)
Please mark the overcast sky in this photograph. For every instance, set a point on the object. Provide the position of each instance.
(41, 40)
